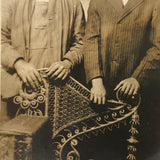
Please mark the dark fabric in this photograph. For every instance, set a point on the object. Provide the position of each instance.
(122, 42)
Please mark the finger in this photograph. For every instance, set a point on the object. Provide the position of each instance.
(92, 94)
(38, 76)
(130, 92)
(99, 100)
(36, 84)
(23, 78)
(103, 100)
(57, 72)
(52, 69)
(119, 85)
(25, 81)
(95, 99)
(125, 94)
(66, 74)
(30, 82)
(91, 97)
(122, 90)
(135, 90)
(124, 87)
(53, 65)
(35, 80)
(127, 89)
(61, 75)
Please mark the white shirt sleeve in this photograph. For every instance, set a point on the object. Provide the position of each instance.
(124, 2)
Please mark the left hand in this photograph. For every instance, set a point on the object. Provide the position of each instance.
(98, 91)
(128, 88)
(59, 70)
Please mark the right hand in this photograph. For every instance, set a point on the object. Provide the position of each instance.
(98, 91)
(28, 74)
(59, 70)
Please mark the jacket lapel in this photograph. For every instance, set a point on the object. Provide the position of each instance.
(117, 4)
(130, 6)
(117, 7)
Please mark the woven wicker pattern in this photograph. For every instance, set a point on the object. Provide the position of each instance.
(68, 103)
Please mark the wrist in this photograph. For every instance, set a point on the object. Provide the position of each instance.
(19, 63)
(97, 81)
(134, 79)
(67, 63)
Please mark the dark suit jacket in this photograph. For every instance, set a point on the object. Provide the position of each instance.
(124, 42)
(121, 42)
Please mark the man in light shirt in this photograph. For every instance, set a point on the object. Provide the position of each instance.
(39, 34)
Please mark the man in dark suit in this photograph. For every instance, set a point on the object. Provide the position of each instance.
(122, 49)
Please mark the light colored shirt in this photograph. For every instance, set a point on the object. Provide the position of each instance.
(124, 2)
(39, 55)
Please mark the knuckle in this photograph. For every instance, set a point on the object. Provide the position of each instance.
(62, 67)
(59, 65)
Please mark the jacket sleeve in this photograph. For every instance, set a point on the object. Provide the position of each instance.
(8, 53)
(75, 52)
(151, 62)
(91, 44)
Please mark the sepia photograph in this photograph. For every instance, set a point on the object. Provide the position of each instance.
(80, 80)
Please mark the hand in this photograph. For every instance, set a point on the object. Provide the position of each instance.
(28, 74)
(59, 70)
(128, 88)
(98, 92)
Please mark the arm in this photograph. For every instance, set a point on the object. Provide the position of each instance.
(61, 69)
(9, 54)
(91, 44)
(11, 59)
(74, 55)
(91, 54)
(149, 64)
